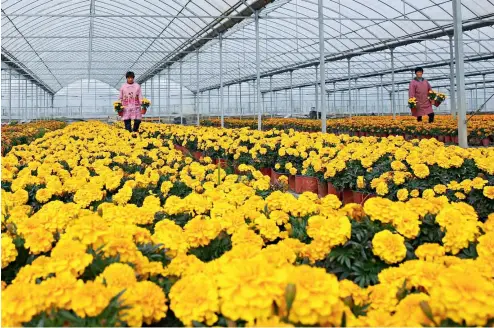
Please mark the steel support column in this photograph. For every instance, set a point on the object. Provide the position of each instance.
(452, 93)
(349, 88)
(291, 93)
(460, 74)
(197, 89)
(393, 109)
(168, 91)
(10, 94)
(258, 73)
(222, 111)
(316, 93)
(181, 97)
(322, 65)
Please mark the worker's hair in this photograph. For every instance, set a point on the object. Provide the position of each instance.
(419, 69)
(129, 74)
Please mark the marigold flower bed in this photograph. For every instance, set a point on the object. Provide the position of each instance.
(444, 128)
(19, 134)
(103, 228)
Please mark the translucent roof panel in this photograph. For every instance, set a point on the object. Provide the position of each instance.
(64, 41)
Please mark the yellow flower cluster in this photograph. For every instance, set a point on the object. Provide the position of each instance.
(188, 236)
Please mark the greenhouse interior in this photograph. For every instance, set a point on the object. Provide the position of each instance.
(247, 163)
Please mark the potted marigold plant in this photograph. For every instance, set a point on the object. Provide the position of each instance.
(117, 106)
(145, 103)
(440, 97)
(432, 96)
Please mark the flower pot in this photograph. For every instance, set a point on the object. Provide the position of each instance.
(358, 197)
(485, 142)
(447, 139)
(322, 189)
(197, 155)
(437, 103)
(305, 183)
(275, 176)
(441, 138)
(332, 190)
(455, 139)
(120, 113)
(221, 162)
(291, 182)
(143, 111)
(347, 196)
(266, 171)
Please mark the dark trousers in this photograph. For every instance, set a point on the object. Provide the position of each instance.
(431, 118)
(128, 126)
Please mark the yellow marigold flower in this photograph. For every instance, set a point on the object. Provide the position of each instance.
(118, 276)
(479, 183)
(485, 247)
(420, 170)
(398, 166)
(428, 194)
(9, 252)
(382, 188)
(456, 291)
(389, 247)
(20, 303)
(248, 288)
(460, 195)
(200, 231)
(489, 223)
(147, 304)
(360, 182)
(402, 195)
(313, 304)
(430, 252)
(333, 231)
(190, 305)
(165, 188)
(43, 195)
(409, 312)
(488, 192)
(440, 189)
(267, 228)
(415, 193)
(90, 298)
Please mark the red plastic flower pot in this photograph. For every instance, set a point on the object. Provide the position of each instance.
(441, 138)
(120, 113)
(455, 140)
(221, 162)
(291, 182)
(347, 196)
(304, 183)
(275, 176)
(485, 142)
(448, 139)
(143, 111)
(437, 103)
(197, 155)
(358, 197)
(332, 190)
(266, 171)
(322, 189)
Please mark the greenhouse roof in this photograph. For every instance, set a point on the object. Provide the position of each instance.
(58, 42)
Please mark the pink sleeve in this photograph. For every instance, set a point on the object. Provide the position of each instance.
(429, 85)
(139, 95)
(121, 94)
(411, 90)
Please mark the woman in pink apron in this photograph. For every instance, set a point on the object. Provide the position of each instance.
(419, 88)
(131, 97)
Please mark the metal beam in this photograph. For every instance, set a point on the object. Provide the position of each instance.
(430, 34)
(17, 65)
(195, 43)
(403, 69)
